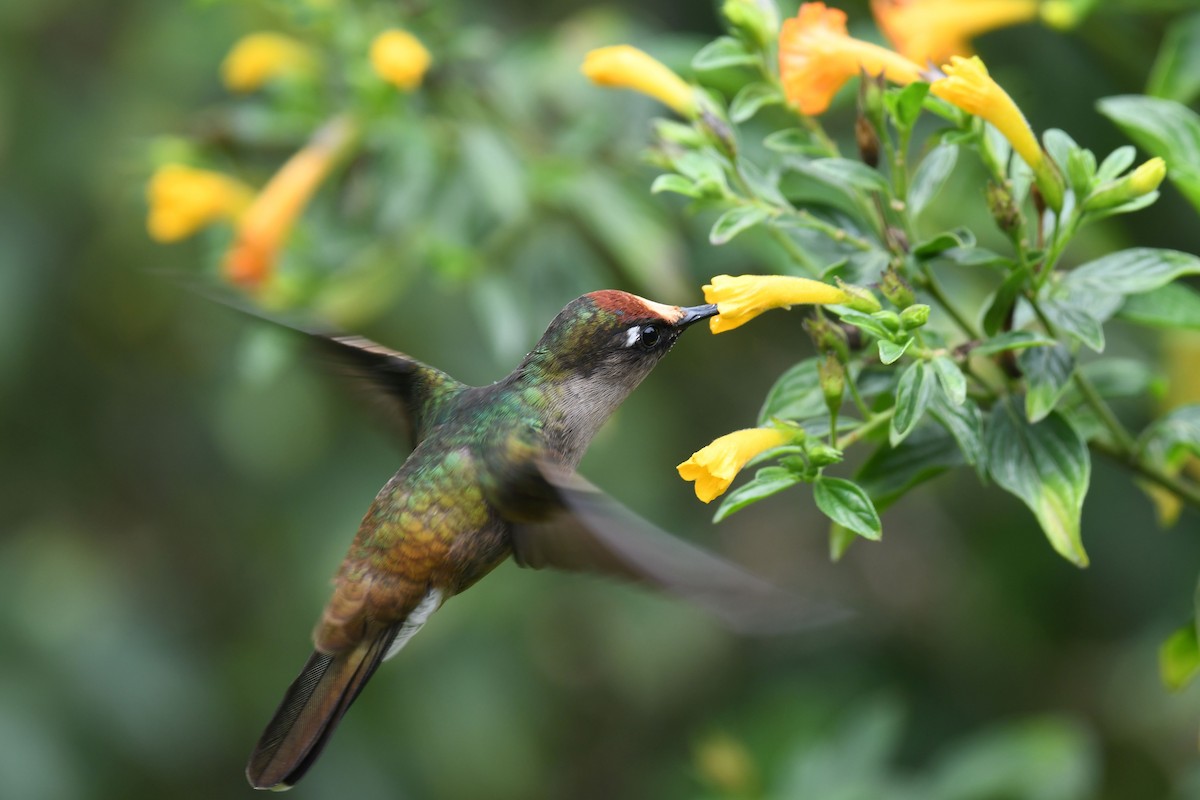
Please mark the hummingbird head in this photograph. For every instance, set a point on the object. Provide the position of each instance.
(599, 348)
(613, 336)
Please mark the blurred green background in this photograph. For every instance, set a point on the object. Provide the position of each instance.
(179, 485)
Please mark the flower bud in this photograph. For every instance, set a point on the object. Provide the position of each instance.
(1140, 182)
(1004, 209)
(914, 316)
(756, 20)
(889, 320)
(896, 289)
(822, 455)
(867, 140)
(829, 337)
(832, 376)
(1081, 170)
(858, 298)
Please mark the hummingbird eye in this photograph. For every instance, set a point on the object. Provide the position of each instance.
(649, 336)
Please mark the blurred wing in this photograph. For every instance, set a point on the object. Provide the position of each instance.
(594, 533)
(402, 388)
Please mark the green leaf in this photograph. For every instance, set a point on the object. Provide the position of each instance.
(906, 104)
(1047, 466)
(724, 51)
(796, 394)
(913, 393)
(890, 352)
(889, 472)
(1171, 439)
(1047, 372)
(734, 221)
(1179, 658)
(1132, 271)
(930, 176)
(1060, 145)
(847, 173)
(1077, 322)
(1120, 377)
(674, 183)
(840, 538)
(1162, 128)
(1013, 340)
(1003, 300)
(953, 382)
(789, 140)
(1175, 305)
(964, 423)
(848, 505)
(947, 240)
(705, 168)
(866, 323)
(1116, 163)
(1176, 71)
(751, 98)
(767, 481)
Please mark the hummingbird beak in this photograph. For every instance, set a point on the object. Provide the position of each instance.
(694, 314)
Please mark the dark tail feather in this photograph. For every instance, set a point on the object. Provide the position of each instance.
(311, 709)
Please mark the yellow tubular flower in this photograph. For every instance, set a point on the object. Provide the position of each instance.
(270, 218)
(625, 67)
(934, 30)
(968, 86)
(183, 200)
(400, 59)
(714, 467)
(742, 298)
(817, 56)
(262, 57)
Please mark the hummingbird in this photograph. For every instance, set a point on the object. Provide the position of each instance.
(491, 474)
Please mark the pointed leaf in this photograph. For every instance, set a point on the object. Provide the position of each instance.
(891, 471)
(734, 221)
(1046, 465)
(1176, 71)
(751, 98)
(848, 174)
(1077, 322)
(1013, 340)
(724, 51)
(840, 538)
(913, 394)
(1175, 305)
(1047, 372)
(1003, 300)
(675, 183)
(1179, 658)
(953, 382)
(847, 504)
(1132, 271)
(890, 352)
(767, 481)
(796, 394)
(931, 175)
(963, 422)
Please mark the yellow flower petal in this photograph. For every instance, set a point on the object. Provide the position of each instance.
(262, 57)
(968, 86)
(182, 200)
(714, 467)
(400, 59)
(817, 56)
(626, 67)
(934, 30)
(270, 218)
(742, 298)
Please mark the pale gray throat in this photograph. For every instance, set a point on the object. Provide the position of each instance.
(581, 406)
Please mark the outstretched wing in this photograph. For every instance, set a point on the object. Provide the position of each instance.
(406, 391)
(591, 532)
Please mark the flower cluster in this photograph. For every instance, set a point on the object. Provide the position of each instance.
(182, 199)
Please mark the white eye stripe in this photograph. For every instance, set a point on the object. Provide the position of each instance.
(633, 335)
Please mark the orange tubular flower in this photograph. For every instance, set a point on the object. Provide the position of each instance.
(817, 56)
(269, 219)
(625, 67)
(934, 30)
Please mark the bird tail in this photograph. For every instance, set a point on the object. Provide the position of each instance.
(310, 711)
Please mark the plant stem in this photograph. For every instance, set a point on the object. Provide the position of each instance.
(1184, 489)
(868, 427)
(794, 250)
(939, 294)
(1121, 437)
